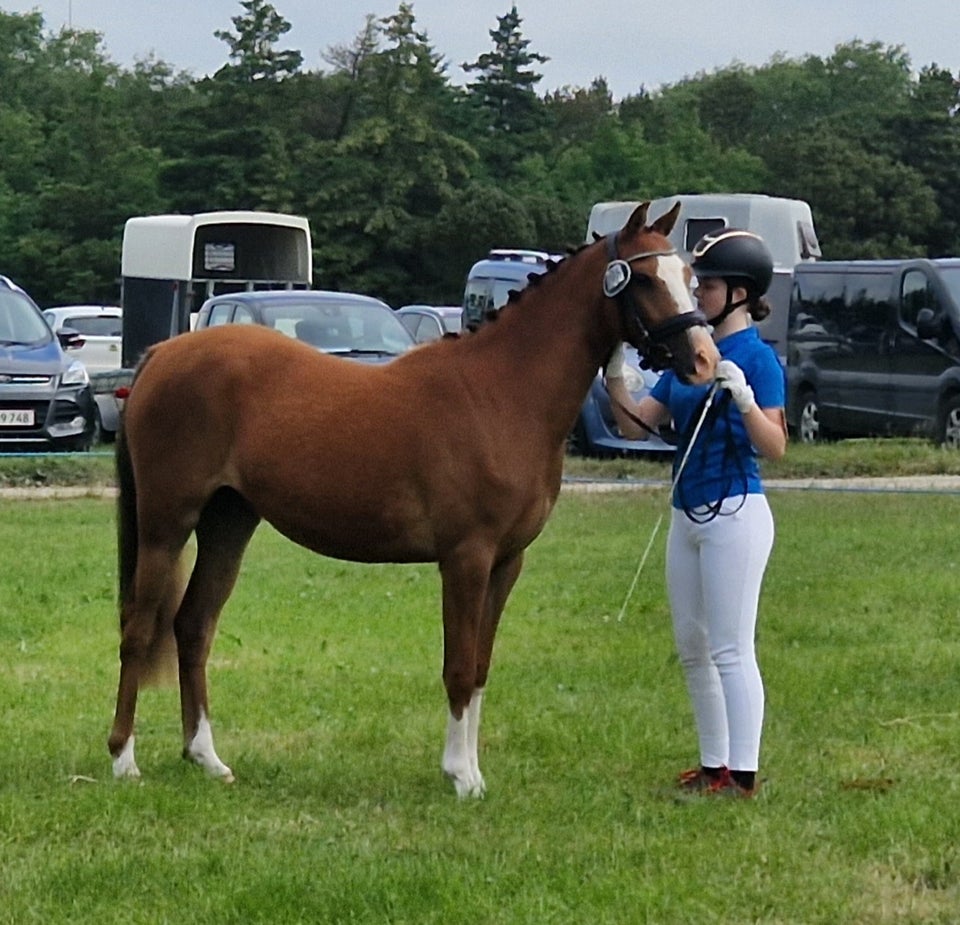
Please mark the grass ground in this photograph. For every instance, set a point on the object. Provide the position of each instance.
(835, 460)
(327, 704)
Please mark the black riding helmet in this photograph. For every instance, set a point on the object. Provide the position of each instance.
(735, 255)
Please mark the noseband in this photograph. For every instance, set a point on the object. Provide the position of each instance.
(652, 340)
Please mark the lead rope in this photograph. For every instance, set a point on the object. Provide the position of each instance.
(676, 478)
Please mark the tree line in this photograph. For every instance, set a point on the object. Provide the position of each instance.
(407, 178)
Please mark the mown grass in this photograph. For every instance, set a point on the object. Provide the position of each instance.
(327, 704)
(845, 458)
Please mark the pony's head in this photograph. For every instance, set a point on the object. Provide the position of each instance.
(651, 284)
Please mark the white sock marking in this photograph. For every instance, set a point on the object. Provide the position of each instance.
(460, 759)
(124, 765)
(201, 751)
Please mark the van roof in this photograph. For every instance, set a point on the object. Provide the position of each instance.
(512, 263)
(886, 263)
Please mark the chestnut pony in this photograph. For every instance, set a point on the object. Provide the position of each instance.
(452, 453)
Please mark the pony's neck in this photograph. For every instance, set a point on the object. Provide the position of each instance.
(551, 341)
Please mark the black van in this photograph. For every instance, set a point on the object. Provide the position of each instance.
(873, 348)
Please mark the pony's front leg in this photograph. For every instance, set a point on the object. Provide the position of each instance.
(472, 648)
(461, 762)
(466, 579)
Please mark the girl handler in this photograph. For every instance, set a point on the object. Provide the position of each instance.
(721, 528)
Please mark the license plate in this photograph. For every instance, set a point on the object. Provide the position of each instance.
(15, 418)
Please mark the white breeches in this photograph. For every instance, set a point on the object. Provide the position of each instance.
(714, 573)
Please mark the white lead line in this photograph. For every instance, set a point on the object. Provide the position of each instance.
(656, 527)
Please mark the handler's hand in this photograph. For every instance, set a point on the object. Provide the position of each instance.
(731, 377)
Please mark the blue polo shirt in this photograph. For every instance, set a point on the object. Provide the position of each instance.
(723, 462)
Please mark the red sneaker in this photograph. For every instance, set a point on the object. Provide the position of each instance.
(698, 780)
(726, 786)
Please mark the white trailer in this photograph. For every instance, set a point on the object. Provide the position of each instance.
(171, 263)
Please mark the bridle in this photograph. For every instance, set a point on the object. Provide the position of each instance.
(616, 285)
(651, 344)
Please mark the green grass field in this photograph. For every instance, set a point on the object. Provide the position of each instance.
(328, 706)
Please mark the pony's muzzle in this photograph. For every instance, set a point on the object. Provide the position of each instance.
(703, 358)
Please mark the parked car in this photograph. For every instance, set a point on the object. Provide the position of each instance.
(341, 323)
(596, 433)
(430, 322)
(874, 349)
(100, 328)
(45, 398)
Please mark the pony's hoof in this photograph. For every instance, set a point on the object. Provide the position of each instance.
(124, 765)
(125, 772)
(214, 767)
(472, 787)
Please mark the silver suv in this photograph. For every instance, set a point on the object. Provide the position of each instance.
(45, 398)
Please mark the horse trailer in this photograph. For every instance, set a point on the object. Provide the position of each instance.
(170, 264)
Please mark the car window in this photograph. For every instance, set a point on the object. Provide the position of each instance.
(220, 314)
(916, 293)
(94, 325)
(866, 307)
(20, 321)
(818, 301)
(428, 329)
(243, 315)
(695, 228)
(340, 326)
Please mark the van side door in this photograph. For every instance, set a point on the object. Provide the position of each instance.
(919, 366)
(862, 371)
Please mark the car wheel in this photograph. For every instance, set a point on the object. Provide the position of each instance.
(948, 433)
(808, 420)
(96, 437)
(577, 439)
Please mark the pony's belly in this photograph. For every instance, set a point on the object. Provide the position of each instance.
(358, 538)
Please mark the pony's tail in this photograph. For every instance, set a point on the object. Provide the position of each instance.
(159, 663)
(126, 517)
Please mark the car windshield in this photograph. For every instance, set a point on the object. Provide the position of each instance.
(340, 327)
(95, 325)
(20, 322)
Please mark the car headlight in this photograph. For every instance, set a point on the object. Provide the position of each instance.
(76, 374)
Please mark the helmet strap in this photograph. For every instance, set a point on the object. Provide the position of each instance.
(729, 307)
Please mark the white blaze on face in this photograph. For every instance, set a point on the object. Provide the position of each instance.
(672, 270)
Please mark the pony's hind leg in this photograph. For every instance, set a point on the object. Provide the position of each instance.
(223, 531)
(144, 619)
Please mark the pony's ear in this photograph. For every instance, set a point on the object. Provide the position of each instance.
(637, 220)
(665, 223)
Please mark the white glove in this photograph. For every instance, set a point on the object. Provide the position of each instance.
(616, 364)
(731, 377)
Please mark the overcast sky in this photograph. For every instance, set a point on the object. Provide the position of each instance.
(632, 43)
